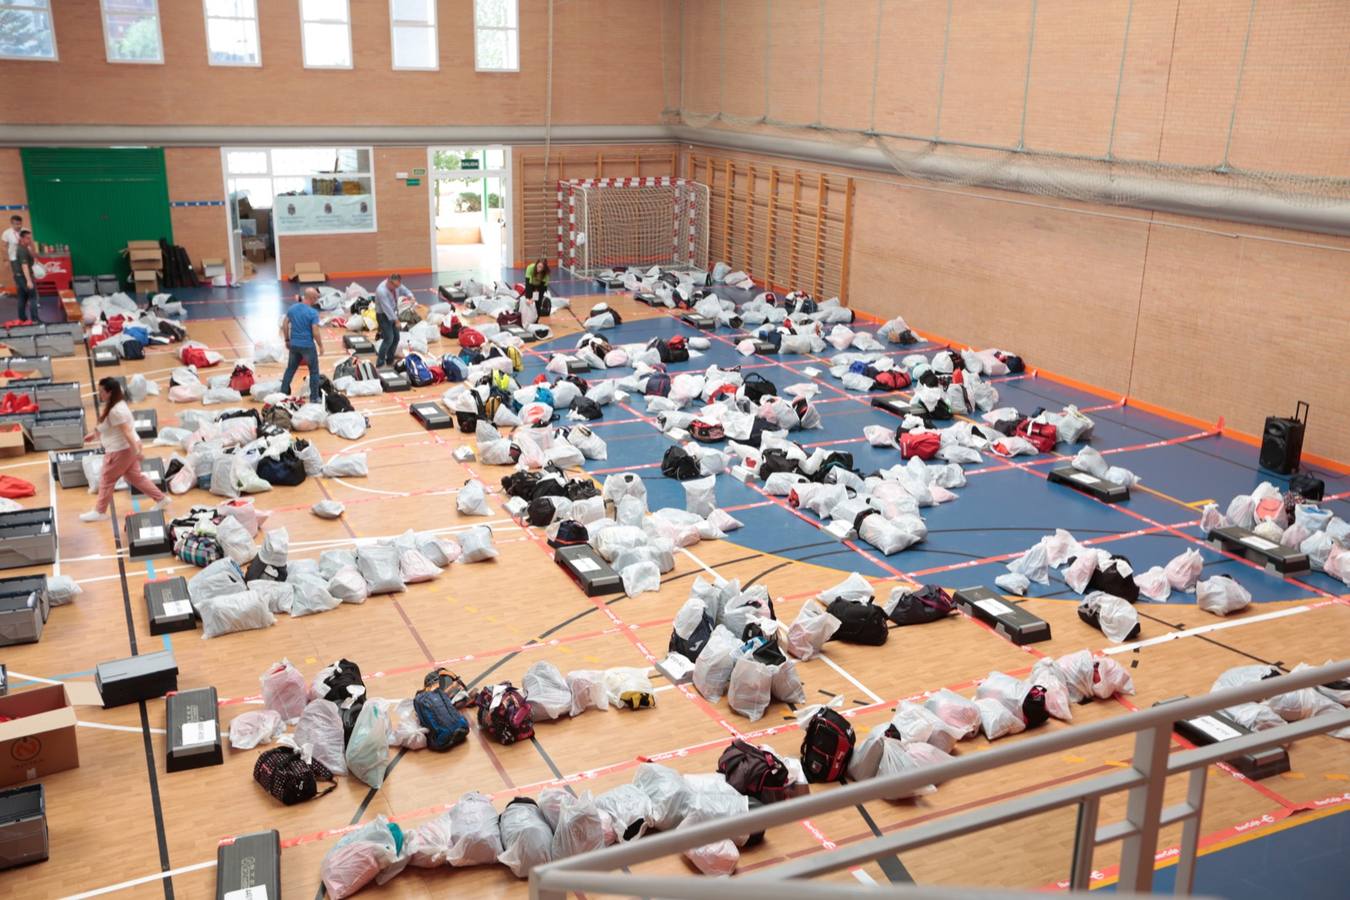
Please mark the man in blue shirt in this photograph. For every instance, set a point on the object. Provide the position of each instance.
(300, 328)
(386, 316)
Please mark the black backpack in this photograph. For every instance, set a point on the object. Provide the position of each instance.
(754, 772)
(775, 459)
(756, 386)
(1092, 616)
(261, 571)
(284, 774)
(1033, 707)
(1309, 487)
(286, 469)
(859, 623)
(693, 645)
(520, 484)
(827, 747)
(928, 604)
(540, 512)
(445, 725)
(679, 465)
(587, 408)
(347, 674)
(133, 350)
(581, 489)
(337, 403)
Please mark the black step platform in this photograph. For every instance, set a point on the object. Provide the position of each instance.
(1100, 488)
(893, 405)
(524, 334)
(168, 606)
(106, 356)
(148, 535)
(193, 730)
(1248, 544)
(248, 867)
(358, 344)
(23, 827)
(154, 470)
(394, 383)
(588, 569)
(432, 415)
(451, 295)
(1217, 727)
(648, 298)
(1008, 619)
(145, 677)
(701, 322)
(577, 366)
(146, 422)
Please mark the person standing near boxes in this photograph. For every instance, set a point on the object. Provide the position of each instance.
(300, 328)
(26, 278)
(386, 316)
(116, 431)
(11, 238)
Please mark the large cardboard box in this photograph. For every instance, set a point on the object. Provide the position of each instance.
(40, 738)
(308, 273)
(11, 441)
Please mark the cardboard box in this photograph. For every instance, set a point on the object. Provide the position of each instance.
(308, 273)
(40, 739)
(11, 441)
(213, 268)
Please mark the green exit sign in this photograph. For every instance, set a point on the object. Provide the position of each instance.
(414, 182)
(468, 163)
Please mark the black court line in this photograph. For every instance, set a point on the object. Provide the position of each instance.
(1208, 640)
(155, 803)
(891, 866)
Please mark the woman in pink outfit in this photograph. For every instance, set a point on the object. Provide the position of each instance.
(116, 431)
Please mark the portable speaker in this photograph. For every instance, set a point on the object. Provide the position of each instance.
(1282, 441)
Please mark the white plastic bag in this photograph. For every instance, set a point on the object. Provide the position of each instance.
(1154, 584)
(235, 541)
(527, 837)
(428, 845)
(627, 812)
(809, 632)
(475, 833)
(62, 589)
(472, 499)
(959, 713)
(328, 509)
(1183, 571)
(368, 747)
(587, 687)
(749, 690)
(275, 547)
(667, 792)
(547, 691)
(284, 691)
(713, 668)
(1221, 595)
(476, 545)
(346, 465)
(379, 566)
(320, 729)
(700, 495)
(347, 585)
(415, 568)
(227, 613)
(1116, 618)
(580, 827)
(997, 720)
(255, 727)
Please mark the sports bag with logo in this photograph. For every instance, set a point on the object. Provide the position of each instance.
(859, 623)
(827, 747)
(471, 338)
(508, 319)
(754, 771)
(678, 464)
(693, 645)
(504, 714)
(445, 725)
(927, 604)
(1043, 436)
(366, 371)
(892, 379)
(674, 350)
(284, 774)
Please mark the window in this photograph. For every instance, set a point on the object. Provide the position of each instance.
(310, 190)
(232, 33)
(131, 31)
(496, 35)
(412, 34)
(326, 34)
(26, 30)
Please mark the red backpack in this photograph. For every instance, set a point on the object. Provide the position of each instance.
(893, 379)
(1042, 436)
(923, 444)
(450, 326)
(504, 713)
(241, 379)
(471, 338)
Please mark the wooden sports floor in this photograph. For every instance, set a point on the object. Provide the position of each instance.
(121, 825)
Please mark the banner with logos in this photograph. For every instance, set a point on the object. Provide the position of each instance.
(323, 214)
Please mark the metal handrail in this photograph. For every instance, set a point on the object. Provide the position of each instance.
(1151, 763)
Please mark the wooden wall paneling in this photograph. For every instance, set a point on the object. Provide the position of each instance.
(796, 221)
(845, 251)
(769, 226)
(727, 176)
(817, 266)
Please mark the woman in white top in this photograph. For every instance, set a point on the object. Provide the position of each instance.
(116, 431)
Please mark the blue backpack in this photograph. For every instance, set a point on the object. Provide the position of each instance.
(418, 373)
(445, 725)
(455, 369)
(544, 395)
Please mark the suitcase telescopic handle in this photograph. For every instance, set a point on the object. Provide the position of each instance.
(1301, 412)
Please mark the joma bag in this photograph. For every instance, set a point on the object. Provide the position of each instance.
(827, 747)
(754, 771)
(859, 623)
(445, 725)
(284, 774)
(504, 713)
(1041, 435)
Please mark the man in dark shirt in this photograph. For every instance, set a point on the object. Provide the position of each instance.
(24, 258)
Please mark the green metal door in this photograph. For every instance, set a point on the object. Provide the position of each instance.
(96, 200)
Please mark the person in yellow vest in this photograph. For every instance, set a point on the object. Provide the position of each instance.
(536, 279)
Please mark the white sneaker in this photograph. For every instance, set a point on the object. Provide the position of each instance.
(93, 516)
(163, 504)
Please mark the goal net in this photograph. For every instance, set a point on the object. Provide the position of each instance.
(608, 223)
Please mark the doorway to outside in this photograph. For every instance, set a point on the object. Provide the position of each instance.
(470, 211)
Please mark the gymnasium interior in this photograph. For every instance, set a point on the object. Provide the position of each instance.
(755, 448)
